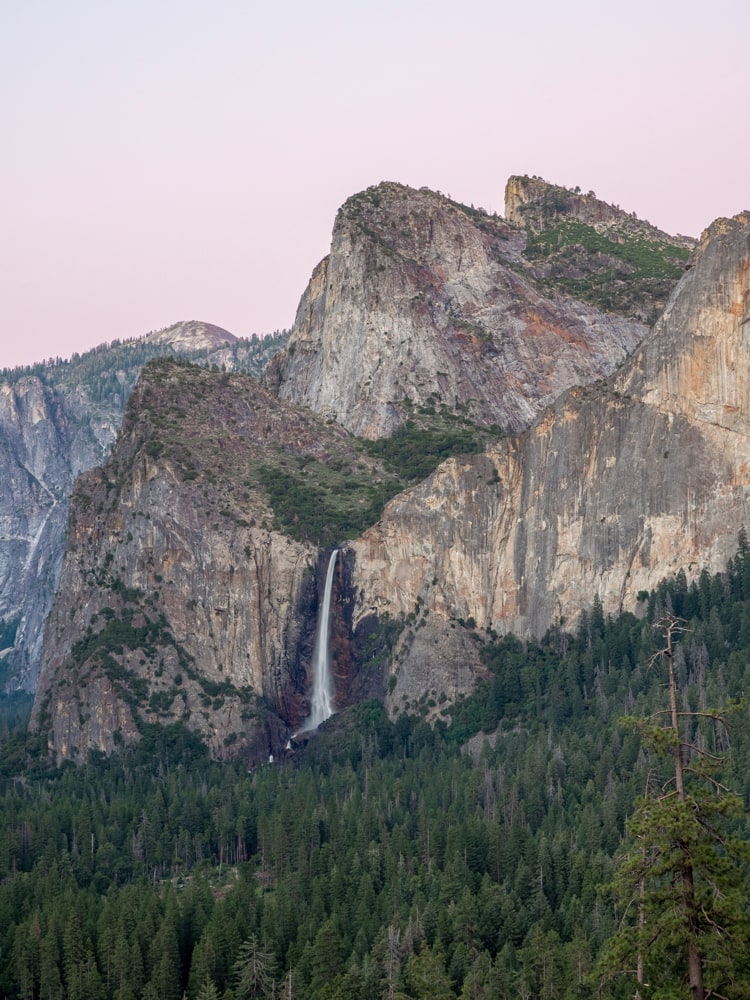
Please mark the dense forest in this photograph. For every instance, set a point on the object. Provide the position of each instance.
(474, 858)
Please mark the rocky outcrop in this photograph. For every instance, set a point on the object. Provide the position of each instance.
(428, 303)
(56, 421)
(188, 336)
(697, 365)
(534, 204)
(615, 487)
(178, 599)
(584, 247)
(47, 439)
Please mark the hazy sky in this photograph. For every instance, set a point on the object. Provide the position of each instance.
(184, 159)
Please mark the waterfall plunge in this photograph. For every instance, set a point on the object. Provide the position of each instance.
(323, 690)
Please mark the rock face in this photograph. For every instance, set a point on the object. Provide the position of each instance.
(534, 204)
(181, 598)
(192, 335)
(47, 438)
(178, 600)
(428, 301)
(56, 421)
(583, 247)
(615, 487)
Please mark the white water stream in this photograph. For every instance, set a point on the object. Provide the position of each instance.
(323, 688)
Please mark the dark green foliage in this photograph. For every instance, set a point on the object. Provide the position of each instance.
(664, 832)
(253, 970)
(647, 258)
(327, 503)
(678, 882)
(15, 709)
(384, 859)
(615, 274)
(413, 452)
(320, 503)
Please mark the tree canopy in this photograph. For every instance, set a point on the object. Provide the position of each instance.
(393, 858)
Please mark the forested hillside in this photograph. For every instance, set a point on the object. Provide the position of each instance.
(464, 860)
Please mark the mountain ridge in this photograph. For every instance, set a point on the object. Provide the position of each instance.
(457, 368)
(57, 420)
(182, 555)
(423, 301)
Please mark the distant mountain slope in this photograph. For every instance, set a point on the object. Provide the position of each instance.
(57, 420)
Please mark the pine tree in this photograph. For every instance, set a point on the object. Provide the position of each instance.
(254, 970)
(427, 978)
(679, 883)
(207, 991)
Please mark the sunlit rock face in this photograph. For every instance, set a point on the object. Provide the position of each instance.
(615, 487)
(426, 302)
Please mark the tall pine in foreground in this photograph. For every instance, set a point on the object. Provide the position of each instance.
(684, 930)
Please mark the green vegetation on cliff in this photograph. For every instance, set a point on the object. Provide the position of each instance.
(329, 502)
(617, 271)
(251, 456)
(323, 503)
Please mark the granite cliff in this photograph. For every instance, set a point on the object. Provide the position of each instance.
(616, 486)
(58, 419)
(178, 599)
(426, 302)
(190, 584)
(425, 311)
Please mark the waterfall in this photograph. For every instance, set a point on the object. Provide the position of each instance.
(323, 690)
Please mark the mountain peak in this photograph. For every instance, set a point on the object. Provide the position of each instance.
(537, 205)
(192, 335)
(426, 304)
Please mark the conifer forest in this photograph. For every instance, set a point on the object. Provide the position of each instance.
(576, 828)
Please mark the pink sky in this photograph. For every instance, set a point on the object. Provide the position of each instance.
(184, 159)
